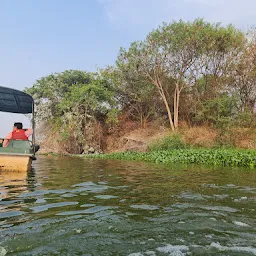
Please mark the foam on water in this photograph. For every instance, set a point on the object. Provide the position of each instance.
(150, 253)
(170, 250)
(233, 248)
(174, 250)
(3, 251)
(241, 224)
(183, 250)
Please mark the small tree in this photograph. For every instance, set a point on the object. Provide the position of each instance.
(135, 94)
(243, 78)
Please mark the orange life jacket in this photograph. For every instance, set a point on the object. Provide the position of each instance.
(19, 135)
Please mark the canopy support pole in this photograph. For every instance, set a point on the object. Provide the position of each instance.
(33, 126)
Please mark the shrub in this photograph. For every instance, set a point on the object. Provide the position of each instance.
(172, 141)
(246, 119)
(225, 139)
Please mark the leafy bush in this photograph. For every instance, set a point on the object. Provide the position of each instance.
(246, 119)
(173, 141)
(225, 139)
(218, 111)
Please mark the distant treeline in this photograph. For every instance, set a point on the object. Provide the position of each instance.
(197, 72)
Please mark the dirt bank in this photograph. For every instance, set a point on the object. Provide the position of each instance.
(127, 136)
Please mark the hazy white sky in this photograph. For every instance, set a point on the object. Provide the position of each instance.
(137, 14)
(7, 120)
(42, 37)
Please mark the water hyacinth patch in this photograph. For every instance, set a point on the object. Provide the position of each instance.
(218, 157)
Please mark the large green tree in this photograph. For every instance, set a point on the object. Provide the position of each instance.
(71, 100)
(51, 90)
(181, 52)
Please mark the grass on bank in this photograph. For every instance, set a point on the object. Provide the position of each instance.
(172, 149)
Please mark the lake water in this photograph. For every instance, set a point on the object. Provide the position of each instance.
(76, 206)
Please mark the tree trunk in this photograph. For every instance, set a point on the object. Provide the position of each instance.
(176, 102)
(161, 91)
(176, 107)
(141, 117)
(168, 111)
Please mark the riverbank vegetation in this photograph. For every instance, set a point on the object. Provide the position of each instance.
(173, 149)
(218, 157)
(183, 75)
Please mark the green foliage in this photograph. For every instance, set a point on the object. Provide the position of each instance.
(173, 141)
(195, 71)
(219, 111)
(243, 77)
(246, 119)
(135, 94)
(50, 91)
(178, 55)
(72, 91)
(218, 157)
(73, 99)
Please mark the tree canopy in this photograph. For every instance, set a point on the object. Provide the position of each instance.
(197, 71)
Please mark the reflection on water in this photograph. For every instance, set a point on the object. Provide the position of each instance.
(73, 206)
(12, 184)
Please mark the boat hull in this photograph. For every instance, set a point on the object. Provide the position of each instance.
(21, 163)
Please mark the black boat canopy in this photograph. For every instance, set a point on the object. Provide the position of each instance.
(15, 101)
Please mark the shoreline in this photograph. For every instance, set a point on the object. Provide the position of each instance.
(213, 157)
(200, 156)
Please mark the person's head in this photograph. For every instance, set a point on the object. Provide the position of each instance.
(17, 126)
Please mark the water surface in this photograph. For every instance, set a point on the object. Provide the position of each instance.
(75, 206)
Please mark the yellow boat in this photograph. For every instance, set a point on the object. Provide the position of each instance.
(18, 155)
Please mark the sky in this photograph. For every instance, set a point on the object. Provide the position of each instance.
(41, 37)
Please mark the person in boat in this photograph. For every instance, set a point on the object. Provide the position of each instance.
(18, 133)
